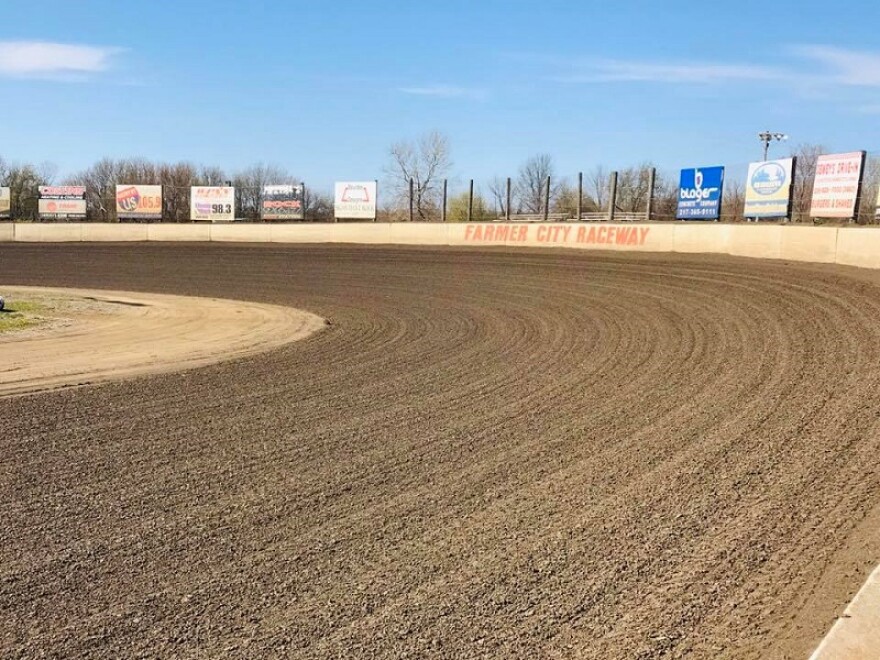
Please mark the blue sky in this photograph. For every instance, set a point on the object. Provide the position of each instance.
(323, 88)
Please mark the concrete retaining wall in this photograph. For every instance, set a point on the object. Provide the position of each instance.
(853, 246)
(858, 247)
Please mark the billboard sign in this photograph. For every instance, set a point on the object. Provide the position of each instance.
(282, 203)
(5, 202)
(768, 189)
(699, 193)
(355, 200)
(62, 202)
(212, 203)
(139, 202)
(837, 184)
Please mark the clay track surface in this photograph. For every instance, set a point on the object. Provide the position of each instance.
(489, 454)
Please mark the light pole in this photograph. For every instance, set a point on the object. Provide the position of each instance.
(766, 137)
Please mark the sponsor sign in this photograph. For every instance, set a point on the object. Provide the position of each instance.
(699, 193)
(62, 202)
(768, 189)
(212, 203)
(5, 202)
(837, 184)
(355, 200)
(282, 203)
(139, 202)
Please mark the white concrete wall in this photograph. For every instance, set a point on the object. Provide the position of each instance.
(858, 247)
(113, 232)
(755, 240)
(817, 244)
(48, 233)
(854, 246)
(240, 232)
(701, 237)
(179, 232)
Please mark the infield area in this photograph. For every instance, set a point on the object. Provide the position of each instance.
(486, 454)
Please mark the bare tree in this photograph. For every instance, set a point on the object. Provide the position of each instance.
(599, 181)
(566, 200)
(532, 181)
(733, 204)
(870, 188)
(24, 182)
(498, 190)
(425, 162)
(633, 185)
(802, 184)
(249, 184)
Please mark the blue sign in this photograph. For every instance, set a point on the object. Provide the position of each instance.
(699, 193)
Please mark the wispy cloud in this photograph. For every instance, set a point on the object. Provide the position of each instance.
(446, 91)
(635, 71)
(806, 67)
(842, 66)
(43, 59)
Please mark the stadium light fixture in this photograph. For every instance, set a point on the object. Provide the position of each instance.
(766, 137)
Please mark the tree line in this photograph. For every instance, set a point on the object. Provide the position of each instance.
(176, 179)
(417, 169)
(427, 161)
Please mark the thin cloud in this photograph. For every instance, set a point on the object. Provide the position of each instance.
(445, 92)
(678, 73)
(809, 67)
(843, 66)
(44, 59)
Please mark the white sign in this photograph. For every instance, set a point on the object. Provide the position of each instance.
(355, 200)
(212, 203)
(877, 207)
(62, 202)
(768, 189)
(836, 186)
(5, 202)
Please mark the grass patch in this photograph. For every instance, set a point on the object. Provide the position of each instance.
(20, 315)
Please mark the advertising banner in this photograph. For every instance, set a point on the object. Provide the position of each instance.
(768, 189)
(212, 203)
(139, 202)
(699, 193)
(355, 200)
(836, 186)
(282, 203)
(5, 202)
(62, 202)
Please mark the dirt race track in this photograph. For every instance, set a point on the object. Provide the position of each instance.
(488, 454)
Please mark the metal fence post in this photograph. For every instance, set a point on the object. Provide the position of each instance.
(613, 194)
(652, 180)
(580, 207)
(411, 191)
(507, 208)
(443, 208)
(547, 199)
(470, 214)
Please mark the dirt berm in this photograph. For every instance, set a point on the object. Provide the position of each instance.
(488, 454)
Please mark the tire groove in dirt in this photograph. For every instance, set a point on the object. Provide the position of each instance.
(488, 454)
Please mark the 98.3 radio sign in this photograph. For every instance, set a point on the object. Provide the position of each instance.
(212, 203)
